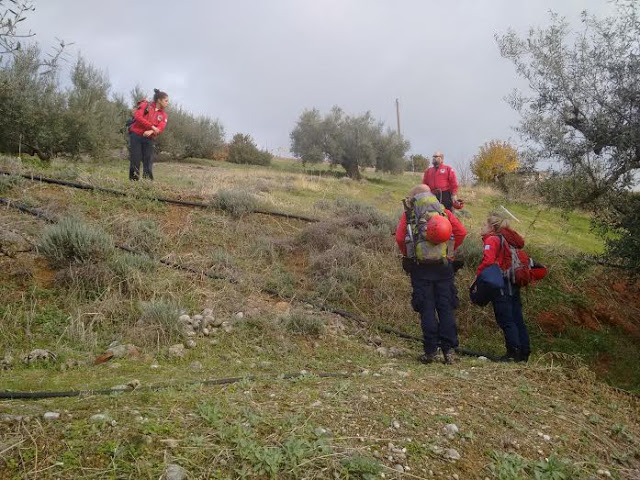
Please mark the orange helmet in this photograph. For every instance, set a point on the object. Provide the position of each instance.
(438, 229)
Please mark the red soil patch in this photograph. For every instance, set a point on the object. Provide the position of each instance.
(552, 322)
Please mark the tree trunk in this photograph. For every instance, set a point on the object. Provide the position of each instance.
(353, 171)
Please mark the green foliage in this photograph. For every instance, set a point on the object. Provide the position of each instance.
(304, 324)
(188, 135)
(236, 202)
(416, 163)
(244, 150)
(622, 232)
(360, 467)
(353, 142)
(71, 241)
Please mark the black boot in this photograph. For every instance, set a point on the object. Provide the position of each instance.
(523, 356)
(512, 355)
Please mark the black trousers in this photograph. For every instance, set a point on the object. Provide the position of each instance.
(444, 197)
(140, 150)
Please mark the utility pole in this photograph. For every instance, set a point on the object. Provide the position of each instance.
(398, 115)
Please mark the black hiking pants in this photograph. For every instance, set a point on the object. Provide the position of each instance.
(140, 150)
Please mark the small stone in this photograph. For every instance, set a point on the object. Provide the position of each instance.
(190, 344)
(239, 315)
(7, 418)
(207, 312)
(398, 468)
(197, 318)
(383, 351)
(546, 438)
(175, 472)
(154, 365)
(451, 454)
(51, 416)
(227, 327)
(216, 322)
(395, 424)
(177, 350)
(206, 332)
(6, 363)
(99, 418)
(190, 333)
(604, 473)
(482, 358)
(316, 404)
(196, 366)
(450, 430)
(455, 476)
(124, 351)
(184, 319)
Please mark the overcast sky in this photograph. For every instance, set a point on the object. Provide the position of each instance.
(257, 64)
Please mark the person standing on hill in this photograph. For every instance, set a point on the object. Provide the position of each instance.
(427, 236)
(442, 181)
(149, 120)
(498, 237)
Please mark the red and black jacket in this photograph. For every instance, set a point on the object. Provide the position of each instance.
(154, 117)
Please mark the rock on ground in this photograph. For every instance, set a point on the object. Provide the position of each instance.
(174, 472)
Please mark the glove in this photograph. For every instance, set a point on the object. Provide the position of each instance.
(457, 264)
(407, 264)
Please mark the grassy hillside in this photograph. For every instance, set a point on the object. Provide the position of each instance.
(554, 418)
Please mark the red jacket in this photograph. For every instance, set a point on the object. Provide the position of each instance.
(459, 232)
(156, 118)
(443, 178)
(493, 251)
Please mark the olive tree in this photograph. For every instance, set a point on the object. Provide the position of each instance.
(583, 108)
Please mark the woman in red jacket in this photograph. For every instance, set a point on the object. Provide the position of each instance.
(507, 305)
(150, 119)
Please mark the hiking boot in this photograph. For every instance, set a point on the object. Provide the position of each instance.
(428, 358)
(512, 355)
(523, 357)
(449, 357)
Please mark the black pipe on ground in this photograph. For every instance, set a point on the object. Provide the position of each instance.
(172, 201)
(11, 395)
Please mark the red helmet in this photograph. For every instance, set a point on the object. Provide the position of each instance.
(438, 229)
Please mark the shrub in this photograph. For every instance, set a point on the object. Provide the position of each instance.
(72, 241)
(87, 279)
(8, 182)
(236, 202)
(244, 150)
(471, 251)
(303, 324)
(144, 235)
(159, 322)
(359, 214)
(340, 262)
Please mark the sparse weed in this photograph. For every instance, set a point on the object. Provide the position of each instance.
(360, 467)
(144, 235)
(9, 182)
(159, 322)
(304, 324)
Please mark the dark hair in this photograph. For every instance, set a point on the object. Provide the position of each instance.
(158, 95)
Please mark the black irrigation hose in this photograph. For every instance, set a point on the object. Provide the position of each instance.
(172, 201)
(10, 395)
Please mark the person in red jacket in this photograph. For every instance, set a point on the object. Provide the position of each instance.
(150, 119)
(442, 181)
(433, 288)
(507, 304)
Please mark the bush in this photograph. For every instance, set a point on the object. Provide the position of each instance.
(302, 324)
(471, 251)
(72, 241)
(87, 279)
(236, 202)
(360, 214)
(244, 150)
(159, 322)
(9, 182)
(144, 235)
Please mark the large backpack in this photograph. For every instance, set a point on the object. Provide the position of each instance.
(519, 270)
(418, 210)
